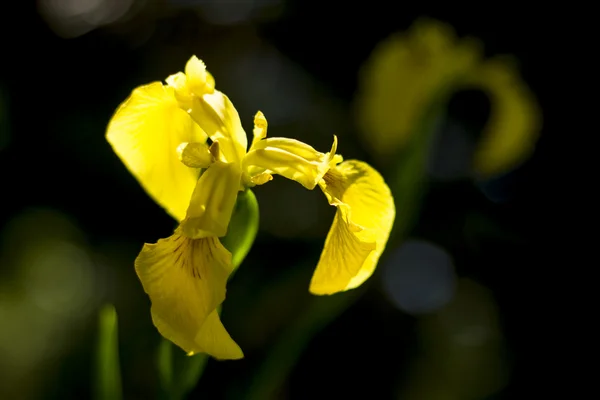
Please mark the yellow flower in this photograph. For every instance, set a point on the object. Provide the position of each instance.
(162, 134)
(407, 73)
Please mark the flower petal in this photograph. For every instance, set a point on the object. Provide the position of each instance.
(404, 76)
(342, 258)
(213, 201)
(210, 108)
(195, 155)
(515, 122)
(260, 127)
(214, 339)
(185, 280)
(218, 117)
(198, 78)
(289, 158)
(145, 132)
(360, 229)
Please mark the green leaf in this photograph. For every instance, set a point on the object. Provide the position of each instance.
(164, 362)
(408, 178)
(178, 373)
(242, 227)
(189, 377)
(288, 348)
(107, 383)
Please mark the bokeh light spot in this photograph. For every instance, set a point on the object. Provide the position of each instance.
(72, 18)
(499, 189)
(59, 278)
(419, 277)
(48, 297)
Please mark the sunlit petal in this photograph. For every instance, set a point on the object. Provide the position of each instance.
(195, 155)
(145, 132)
(220, 120)
(212, 202)
(185, 280)
(342, 258)
(360, 229)
(199, 80)
(211, 109)
(289, 158)
(260, 127)
(181, 89)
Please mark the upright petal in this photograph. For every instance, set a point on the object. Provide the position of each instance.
(210, 108)
(213, 201)
(145, 132)
(260, 127)
(289, 158)
(218, 117)
(185, 280)
(198, 78)
(360, 229)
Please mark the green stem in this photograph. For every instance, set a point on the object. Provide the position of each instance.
(287, 350)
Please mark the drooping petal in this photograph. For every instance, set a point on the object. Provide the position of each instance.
(213, 201)
(515, 122)
(145, 132)
(214, 339)
(289, 158)
(185, 280)
(360, 229)
(405, 74)
(342, 258)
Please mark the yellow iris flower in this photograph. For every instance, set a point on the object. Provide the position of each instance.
(407, 73)
(184, 143)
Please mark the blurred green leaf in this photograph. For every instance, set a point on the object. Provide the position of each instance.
(107, 383)
(286, 351)
(408, 178)
(195, 365)
(242, 227)
(165, 365)
(178, 373)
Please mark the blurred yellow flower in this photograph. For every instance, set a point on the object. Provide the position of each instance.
(409, 73)
(185, 144)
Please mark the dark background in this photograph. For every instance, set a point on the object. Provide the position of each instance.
(60, 177)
